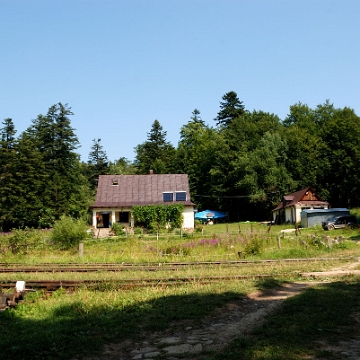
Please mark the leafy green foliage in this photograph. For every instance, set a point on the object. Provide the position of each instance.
(121, 166)
(155, 217)
(118, 229)
(243, 167)
(19, 240)
(68, 232)
(253, 245)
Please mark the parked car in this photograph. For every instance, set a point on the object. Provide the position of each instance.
(339, 222)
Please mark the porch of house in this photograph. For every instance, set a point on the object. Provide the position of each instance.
(104, 218)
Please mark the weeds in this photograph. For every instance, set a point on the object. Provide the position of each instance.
(68, 232)
(67, 326)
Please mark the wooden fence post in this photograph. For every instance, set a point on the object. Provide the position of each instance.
(81, 249)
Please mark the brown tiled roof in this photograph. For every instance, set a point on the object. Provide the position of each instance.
(297, 197)
(134, 190)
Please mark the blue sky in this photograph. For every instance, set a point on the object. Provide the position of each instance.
(122, 64)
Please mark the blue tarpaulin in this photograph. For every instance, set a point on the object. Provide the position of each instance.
(209, 214)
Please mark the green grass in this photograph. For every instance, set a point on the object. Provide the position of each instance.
(65, 326)
(320, 313)
(219, 242)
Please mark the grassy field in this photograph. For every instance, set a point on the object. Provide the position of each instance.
(65, 326)
(325, 314)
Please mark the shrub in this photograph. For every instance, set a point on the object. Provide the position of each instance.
(317, 242)
(138, 231)
(253, 246)
(19, 240)
(68, 232)
(118, 229)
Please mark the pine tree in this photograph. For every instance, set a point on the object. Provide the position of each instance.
(98, 163)
(7, 160)
(55, 139)
(156, 153)
(231, 108)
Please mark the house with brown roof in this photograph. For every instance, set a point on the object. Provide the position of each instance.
(117, 194)
(290, 208)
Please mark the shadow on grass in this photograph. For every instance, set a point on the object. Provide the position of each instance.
(72, 330)
(321, 313)
(355, 237)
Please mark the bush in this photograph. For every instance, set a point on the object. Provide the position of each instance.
(253, 246)
(69, 232)
(138, 231)
(19, 240)
(118, 229)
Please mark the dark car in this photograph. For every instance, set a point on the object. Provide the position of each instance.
(339, 222)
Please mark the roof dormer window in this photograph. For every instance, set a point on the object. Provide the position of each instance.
(115, 182)
(168, 196)
(180, 196)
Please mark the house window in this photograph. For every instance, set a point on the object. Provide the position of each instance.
(180, 196)
(168, 196)
(115, 182)
(124, 217)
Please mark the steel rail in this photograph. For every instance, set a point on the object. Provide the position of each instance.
(136, 282)
(94, 267)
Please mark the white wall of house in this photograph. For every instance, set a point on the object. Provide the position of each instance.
(293, 213)
(289, 214)
(300, 208)
(188, 214)
(113, 215)
(189, 219)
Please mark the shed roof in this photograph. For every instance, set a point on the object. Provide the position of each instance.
(325, 211)
(299, 197)
(135, 190)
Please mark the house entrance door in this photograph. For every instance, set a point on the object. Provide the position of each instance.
(105, 220)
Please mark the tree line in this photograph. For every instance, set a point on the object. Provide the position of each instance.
(243, 164)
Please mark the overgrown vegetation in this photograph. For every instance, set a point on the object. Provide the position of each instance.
(157, 217)
(220, 241)
(78, 324)
(68, 232)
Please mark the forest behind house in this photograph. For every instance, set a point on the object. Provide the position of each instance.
(242, 165)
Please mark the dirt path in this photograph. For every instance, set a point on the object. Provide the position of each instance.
(235, 319)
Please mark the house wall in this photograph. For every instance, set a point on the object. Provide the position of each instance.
(289, 214)
(188, 214)
(189, 219)
(298, 210)
(294, 213)
(113, 216)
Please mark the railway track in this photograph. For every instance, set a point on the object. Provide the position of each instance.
(95, 267)
(51, 285)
